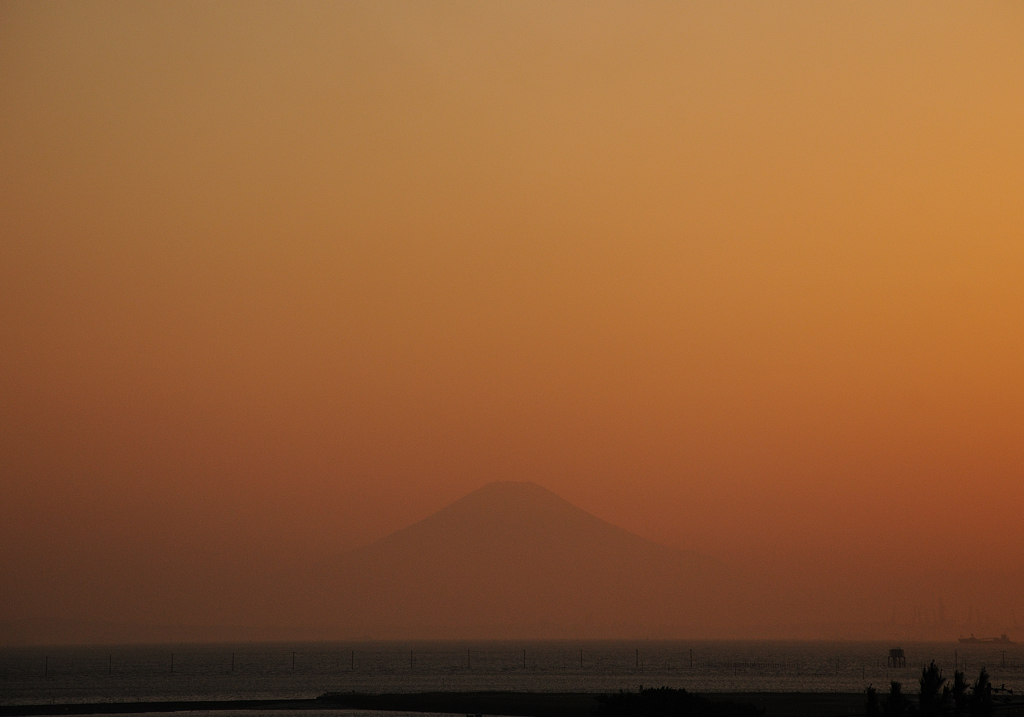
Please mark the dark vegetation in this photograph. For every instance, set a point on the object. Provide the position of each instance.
(872, 708)
(934, 691)
(936, 697)
(678, 703)
(959, 692)
(980, 701)
(895, 703)
(660, 702)
(521, 704)
(667, 702)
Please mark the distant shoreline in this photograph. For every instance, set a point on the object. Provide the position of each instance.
(103, 708)
(513, 704)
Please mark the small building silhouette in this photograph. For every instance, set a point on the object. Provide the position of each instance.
(897, 658)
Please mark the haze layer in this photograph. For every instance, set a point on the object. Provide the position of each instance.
(279, 280)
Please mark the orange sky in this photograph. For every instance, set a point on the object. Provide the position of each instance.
(279, 279)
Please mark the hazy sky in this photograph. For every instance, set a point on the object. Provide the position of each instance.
(277, 279)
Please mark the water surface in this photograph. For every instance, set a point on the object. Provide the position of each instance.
(305, 670)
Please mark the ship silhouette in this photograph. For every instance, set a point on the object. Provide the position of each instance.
(1001, 640)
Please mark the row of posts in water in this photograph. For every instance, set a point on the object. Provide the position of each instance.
(708, 665)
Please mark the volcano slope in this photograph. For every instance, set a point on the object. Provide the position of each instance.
(514, 560)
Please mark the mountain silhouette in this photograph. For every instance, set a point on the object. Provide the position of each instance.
(515, 560)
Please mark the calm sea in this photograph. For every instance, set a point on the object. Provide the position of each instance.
(261, 671)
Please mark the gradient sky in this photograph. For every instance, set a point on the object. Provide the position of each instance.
(277, 279)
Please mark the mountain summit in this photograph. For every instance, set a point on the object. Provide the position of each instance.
(516, 560)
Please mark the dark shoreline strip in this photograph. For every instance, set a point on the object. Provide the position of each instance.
(109, 708)
(513, 704)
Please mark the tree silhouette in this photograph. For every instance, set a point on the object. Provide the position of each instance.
(959, 692)
(895, 704)
(872, 707)
(932, 691)
(667, 702)
(980, 702)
